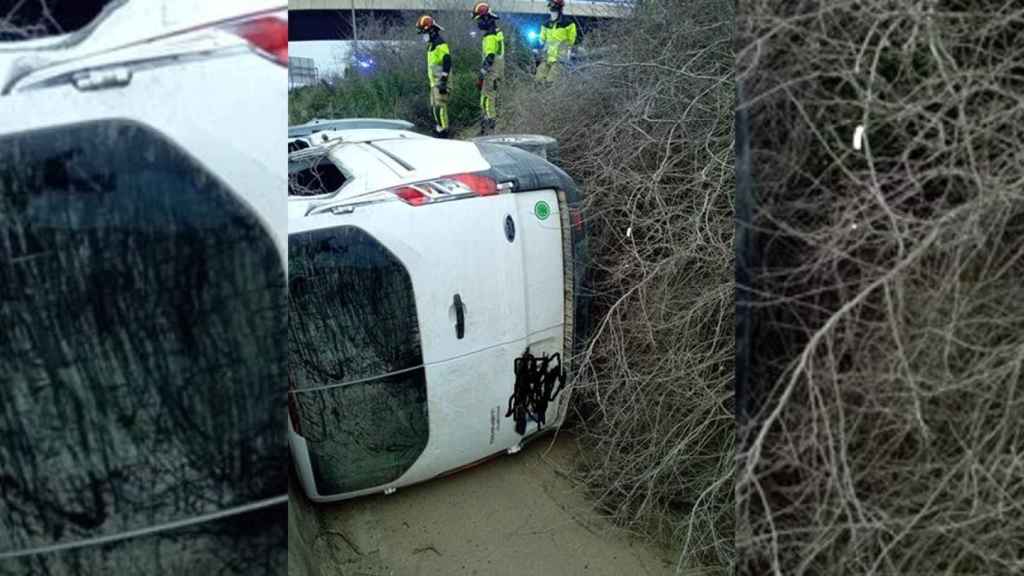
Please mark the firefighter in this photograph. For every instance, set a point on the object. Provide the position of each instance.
(439, 68)
(493, 68)
(558, 36)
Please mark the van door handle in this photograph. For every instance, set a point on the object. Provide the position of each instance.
(460, 317)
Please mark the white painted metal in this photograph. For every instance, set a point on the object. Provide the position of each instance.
(234, 83)
(231, 82)
(542, 256)
(512, 291)
(451, 248)
(543, 277)
(372, 168)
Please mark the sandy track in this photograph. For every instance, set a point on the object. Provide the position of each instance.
(517, 515)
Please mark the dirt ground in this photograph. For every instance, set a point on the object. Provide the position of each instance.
(516, 515)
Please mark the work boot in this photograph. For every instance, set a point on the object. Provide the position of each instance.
(492, 124)
(483, 126)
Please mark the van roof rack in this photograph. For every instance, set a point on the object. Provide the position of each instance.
(321, 124)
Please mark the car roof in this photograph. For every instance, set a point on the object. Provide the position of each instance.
(378, 159)
(121, 24)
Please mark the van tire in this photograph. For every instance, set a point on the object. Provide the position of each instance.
(543, 146)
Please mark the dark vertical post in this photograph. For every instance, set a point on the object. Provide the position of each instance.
(744, 258)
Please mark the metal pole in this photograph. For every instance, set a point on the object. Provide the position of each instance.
(355, 37)
(746, 261)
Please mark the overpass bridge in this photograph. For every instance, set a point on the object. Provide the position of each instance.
(334, 20)
(582, 8)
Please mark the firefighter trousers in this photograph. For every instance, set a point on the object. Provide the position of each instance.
(439, 108)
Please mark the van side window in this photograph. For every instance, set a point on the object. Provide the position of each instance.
(314, 176)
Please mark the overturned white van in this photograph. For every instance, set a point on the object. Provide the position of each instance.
(437, 296)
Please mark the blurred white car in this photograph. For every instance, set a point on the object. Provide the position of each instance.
(143, 292)
(437, 297)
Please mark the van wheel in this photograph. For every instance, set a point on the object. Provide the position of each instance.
(543, 146)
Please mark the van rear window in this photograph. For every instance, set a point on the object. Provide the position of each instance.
(142, 376)
(355, 359)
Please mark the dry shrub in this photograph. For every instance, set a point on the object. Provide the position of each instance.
(396, 84)
(648, 132)
(888, 435)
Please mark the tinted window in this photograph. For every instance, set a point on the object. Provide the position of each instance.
(141, 367)
(353, 321)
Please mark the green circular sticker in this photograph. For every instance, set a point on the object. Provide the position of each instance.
(542, 210)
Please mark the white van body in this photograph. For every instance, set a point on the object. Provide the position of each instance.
(148, 59)
(143, 244)
(505, 259)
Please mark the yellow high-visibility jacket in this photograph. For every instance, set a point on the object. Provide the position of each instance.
(494, 45)
(435, 61)
(558, 37)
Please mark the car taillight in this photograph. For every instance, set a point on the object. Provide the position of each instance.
(412, 195)
(447, 188)
(268, 35)
(479, 184)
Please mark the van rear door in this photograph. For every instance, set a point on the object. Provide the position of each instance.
(406, 320)
(555, 256)
(543, 199)
(542, 250)
(142, 303)
(356, 376)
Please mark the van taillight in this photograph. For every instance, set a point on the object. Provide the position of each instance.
(267, 34)
(412, 195)
(479, 184)
(447, 188)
